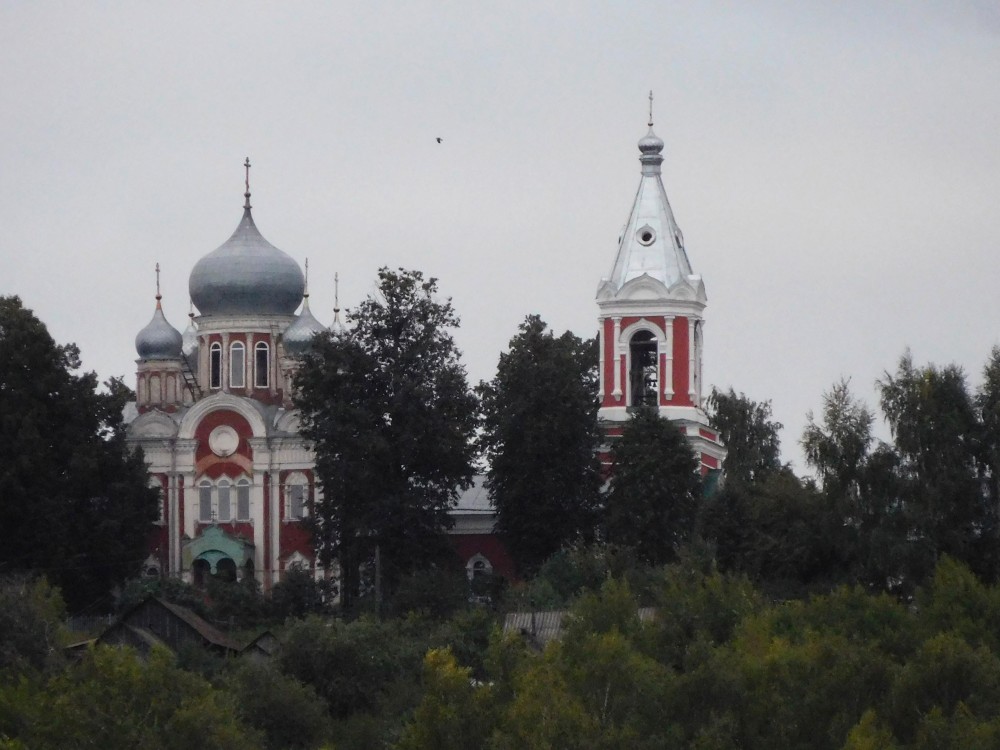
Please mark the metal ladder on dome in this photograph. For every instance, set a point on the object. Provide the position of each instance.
(189, 378)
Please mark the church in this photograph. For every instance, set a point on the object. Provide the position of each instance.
(215, 419)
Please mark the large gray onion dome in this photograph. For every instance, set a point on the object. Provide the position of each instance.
(299, 335)
(246, 275)
(159, 339)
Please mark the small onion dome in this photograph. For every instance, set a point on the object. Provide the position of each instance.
(299, 335)
(650, 143)
(159, 339)
(189, 347)
(337, 328)
(246, 275)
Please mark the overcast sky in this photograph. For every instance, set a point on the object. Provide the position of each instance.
(834, 167)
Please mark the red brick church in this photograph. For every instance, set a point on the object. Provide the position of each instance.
(214, 415)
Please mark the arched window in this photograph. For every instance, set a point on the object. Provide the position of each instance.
(262, 365)
(243, 500)
(205, 502)
(215, 366)
(237, 365)
(643, 369)
(225, 505)
(296, 488)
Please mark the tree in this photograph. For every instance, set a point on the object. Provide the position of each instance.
(114, 699)
(540, 435)
(391, 418)
(749, 434)
(31, 616)
(837, 448)
(652, 503)
(75, 502)
(937, 435)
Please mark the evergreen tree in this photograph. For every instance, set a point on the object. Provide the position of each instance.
(540, 435)
(652, 503)
(391, 418)
(75, 503)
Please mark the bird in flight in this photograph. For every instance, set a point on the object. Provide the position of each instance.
(438, 140)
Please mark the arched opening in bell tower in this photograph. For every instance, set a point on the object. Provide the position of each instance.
(643, 370)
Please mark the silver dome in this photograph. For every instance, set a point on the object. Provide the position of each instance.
(299, 335)
(189, 346)
(650, 143)
(246, 275)
(159, 339)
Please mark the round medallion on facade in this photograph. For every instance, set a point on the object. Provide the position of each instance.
(223, 441)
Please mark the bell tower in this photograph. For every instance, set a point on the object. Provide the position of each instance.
(652, 319)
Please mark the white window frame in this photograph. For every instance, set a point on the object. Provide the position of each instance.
(261, 375)
(215, 373)
(237, 356)
(296, 480)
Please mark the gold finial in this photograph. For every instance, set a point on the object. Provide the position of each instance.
(247, 193)
(650, 109)
(158, 296)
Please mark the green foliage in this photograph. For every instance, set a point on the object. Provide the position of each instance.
(652, 503)
(171, 589)
(838, 447)
(297, 595)
(539, 434)
(287, 713)
(454, 714)
(435, 592)
(391, 417)
(63, 456)
(31, 631)
(937, 434)
(112, 699)
(577, 569)
(749, 434)
(783, 534)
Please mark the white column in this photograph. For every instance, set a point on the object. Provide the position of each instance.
(616, 360)
(668, 368)
(691, 359)
(600, 359)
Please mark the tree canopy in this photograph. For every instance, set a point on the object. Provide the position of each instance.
(653, 500)
(391, 417)
(540, 435)
(749, 434)
(75, 502)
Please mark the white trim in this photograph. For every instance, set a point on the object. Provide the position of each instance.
(233, 370)
(617, 393)
(219, 402)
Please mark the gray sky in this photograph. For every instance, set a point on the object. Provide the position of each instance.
(834, 167)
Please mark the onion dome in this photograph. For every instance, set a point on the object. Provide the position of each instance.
(159, 339)
(246, 275)
(650, 143)
(299, 335)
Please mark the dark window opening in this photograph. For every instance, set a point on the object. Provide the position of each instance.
(644, 370)
(261, 365)
(215, 366)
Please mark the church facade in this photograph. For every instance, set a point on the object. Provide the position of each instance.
(214, 414)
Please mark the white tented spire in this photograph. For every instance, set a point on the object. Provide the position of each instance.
(651, 242)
